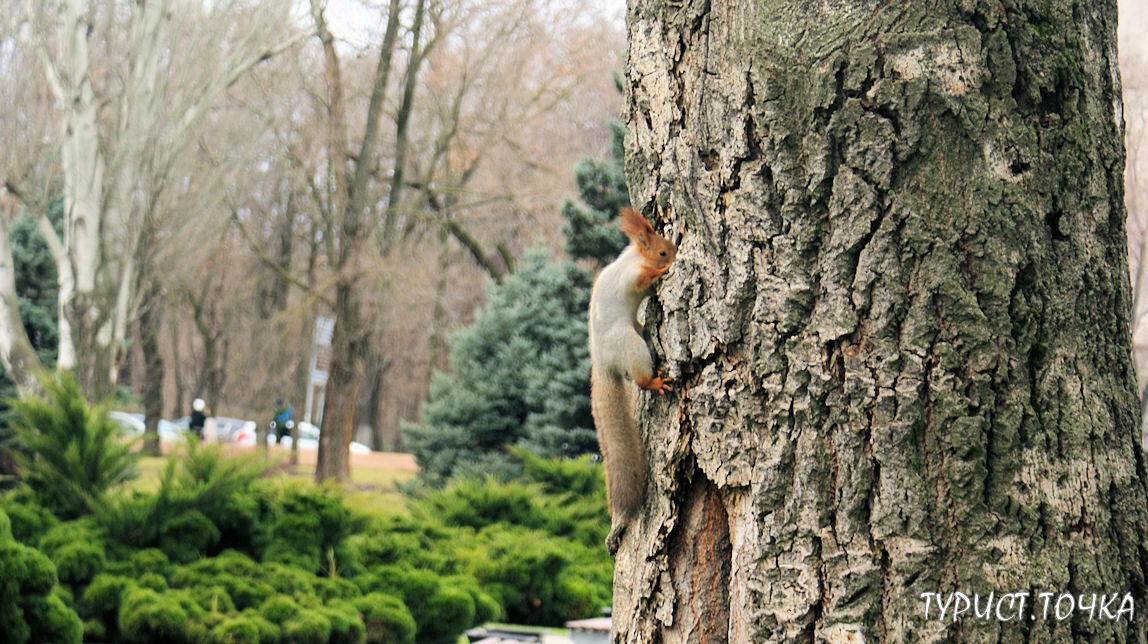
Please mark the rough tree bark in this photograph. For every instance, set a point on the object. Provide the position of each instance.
(898, 323)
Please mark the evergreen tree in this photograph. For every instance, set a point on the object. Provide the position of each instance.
(521, 376)
(590, 229)
(521, 372)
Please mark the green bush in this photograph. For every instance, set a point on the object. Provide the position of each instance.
(195, 490)
(51, 620)
(77, 563)
(310, 528)
(232, 571)
(447, 613)
(188, 537)
(73, 453)
(95, 630)
(288, 579)
(153, 580)
(268, 632)
(528, 572)
(386, 618)
(414, 587)
(278, 608)
(486, 608)
(346, 625)
(77, 549)
(479, 503)
(149, 560)
(28, 520)
(30, 610)
(101, 599)
(307, 627)
(213, 599)
(147, 616)
(236, 630)
(332, 588)
(24, 570)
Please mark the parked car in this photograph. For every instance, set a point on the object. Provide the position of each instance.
(134, 426)
(227, 429)
(308, 439)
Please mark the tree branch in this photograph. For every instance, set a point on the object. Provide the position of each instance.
(273, 265)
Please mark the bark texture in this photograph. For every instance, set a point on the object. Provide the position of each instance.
(898, 321)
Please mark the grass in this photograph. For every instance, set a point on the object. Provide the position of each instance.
(367, 481)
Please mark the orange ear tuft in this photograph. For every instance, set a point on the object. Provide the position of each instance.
(635, 226)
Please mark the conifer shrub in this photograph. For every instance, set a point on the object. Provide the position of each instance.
(212, 598)
(486, 608)
(147, 616)
(334, 588)
(237, 630)
(76, 550)
(72, 453)
(307, 627)
(529, 574)
(346, 625)
(288, 580)
(268, 632)
(446, 613)
(29, 520)
(310, 528)
(51, 620)
(30, 610)
(278, 608)
(188, 537)
(477, 503)
(100, 601)
(386, 618)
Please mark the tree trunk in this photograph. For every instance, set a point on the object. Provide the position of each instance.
(348, 341)
(91, 341)
(898, 325)
(347, 347)
(152, 388)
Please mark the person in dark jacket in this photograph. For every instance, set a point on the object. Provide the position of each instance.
(199, 414)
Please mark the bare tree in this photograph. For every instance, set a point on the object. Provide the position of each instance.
(111, 157)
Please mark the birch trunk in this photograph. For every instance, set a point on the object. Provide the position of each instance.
(898, 323)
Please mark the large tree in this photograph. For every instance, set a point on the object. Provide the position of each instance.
(898, 323)
(130, 80)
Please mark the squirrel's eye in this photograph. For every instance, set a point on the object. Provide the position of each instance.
(662, 253)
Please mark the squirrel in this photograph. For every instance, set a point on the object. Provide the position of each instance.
(617, 350)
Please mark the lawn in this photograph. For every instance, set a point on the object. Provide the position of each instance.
(377, 472)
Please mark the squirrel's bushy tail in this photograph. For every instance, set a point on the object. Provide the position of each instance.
(619, 439)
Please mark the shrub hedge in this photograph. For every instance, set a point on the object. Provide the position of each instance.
(216, 554)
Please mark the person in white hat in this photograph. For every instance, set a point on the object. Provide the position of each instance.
(199, 414)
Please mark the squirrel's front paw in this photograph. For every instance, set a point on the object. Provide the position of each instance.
(657, 383)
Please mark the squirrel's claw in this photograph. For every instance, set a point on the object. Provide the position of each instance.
(658, 384)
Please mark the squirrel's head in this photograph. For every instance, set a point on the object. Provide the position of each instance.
(657, 251)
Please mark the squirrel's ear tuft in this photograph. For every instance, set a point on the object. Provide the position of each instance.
(635, 226)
